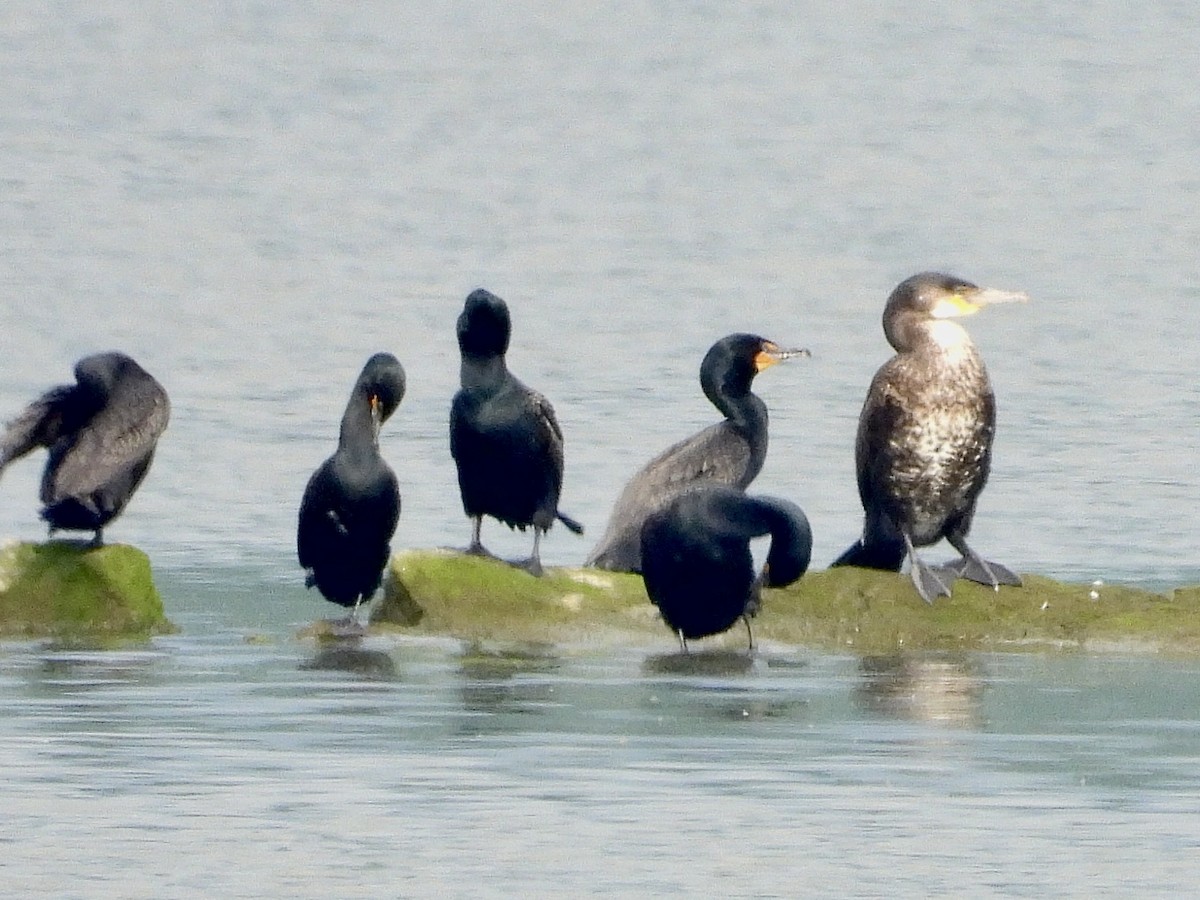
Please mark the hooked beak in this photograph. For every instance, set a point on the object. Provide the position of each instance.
(967, 303)
(772, 353)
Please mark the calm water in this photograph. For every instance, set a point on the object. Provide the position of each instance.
(253, 197)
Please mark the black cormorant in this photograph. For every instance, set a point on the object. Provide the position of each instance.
(924, 441)
(730, 452)
(352, 502)
(504, 437)
(101, 433)
(696, 558)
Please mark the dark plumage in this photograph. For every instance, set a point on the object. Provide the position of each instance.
(101, 433)
(696, 558)
(730, 452)
(352, 502)
(504, 437)
(925, 436)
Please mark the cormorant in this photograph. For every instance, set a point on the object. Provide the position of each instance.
(101, 433)
(730, 452)
(924, 442)
(504, 437)
(696, 558)
(352, 502)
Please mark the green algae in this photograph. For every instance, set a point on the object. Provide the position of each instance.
(68, 590)
(844, 610)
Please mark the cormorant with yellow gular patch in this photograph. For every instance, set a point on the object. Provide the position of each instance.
(731, 452)
(924, 444)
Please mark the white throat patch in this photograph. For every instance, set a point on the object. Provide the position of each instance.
(950, 336)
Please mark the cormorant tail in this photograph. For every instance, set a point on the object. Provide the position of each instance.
(886, 555)
(572, 525)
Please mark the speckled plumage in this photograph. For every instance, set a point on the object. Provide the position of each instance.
(924, 443)
(101, 433)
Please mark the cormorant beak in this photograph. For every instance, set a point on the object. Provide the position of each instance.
(376, 411)
(969, 302)
(771, 353)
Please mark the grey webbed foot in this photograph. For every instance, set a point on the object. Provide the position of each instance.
(984, 571)
(533, 566)
(932, 581)
(974, 567)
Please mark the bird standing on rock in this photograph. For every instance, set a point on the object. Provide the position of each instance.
(351, 504)
(697, 564)
(730, 452)
(504, 437)
(924, 445)
(101, 433)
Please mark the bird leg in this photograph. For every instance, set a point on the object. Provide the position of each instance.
(683, 647)
(930, 581)
(97, 539)
(750, 634)
(974, 567)
(533, 565)
(476, 548)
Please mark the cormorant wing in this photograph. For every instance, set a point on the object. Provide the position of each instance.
(873, 450)
(549, 433)
(39, 425)
(119, 437)
(716, 455)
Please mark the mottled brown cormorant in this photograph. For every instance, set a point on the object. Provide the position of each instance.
(101, 433)
(730, 452)
(504, 437)
(352, 502)
(924, 442)
(696, 558)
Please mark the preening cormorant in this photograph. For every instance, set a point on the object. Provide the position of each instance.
(101, 433)
(352, 502)
(504, 437)
(730, 452)
(924, 442)
(696, 558)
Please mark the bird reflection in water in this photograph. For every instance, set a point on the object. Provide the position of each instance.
(716, 661)
(496, 681)
(943, 690)
(347, 654)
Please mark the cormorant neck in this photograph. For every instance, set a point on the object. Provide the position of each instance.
(909, 334)
(791, 546)
(482, 372)
(359, 433)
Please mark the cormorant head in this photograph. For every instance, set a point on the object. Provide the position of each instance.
(383, 381)
(99, 372)
(731, 363)
(931, 296)
(484, 326)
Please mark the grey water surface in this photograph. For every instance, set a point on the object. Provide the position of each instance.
(253, 197)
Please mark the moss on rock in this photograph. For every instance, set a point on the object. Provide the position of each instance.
(67, 589)
(849, 610)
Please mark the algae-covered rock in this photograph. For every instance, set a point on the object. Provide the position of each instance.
(849, 610)
(68, 589)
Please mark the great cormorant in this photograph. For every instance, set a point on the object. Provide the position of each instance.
(352, 501)
(696, 558)
(730, 452)
(504, 437)
(101, 433)
(924, 442)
